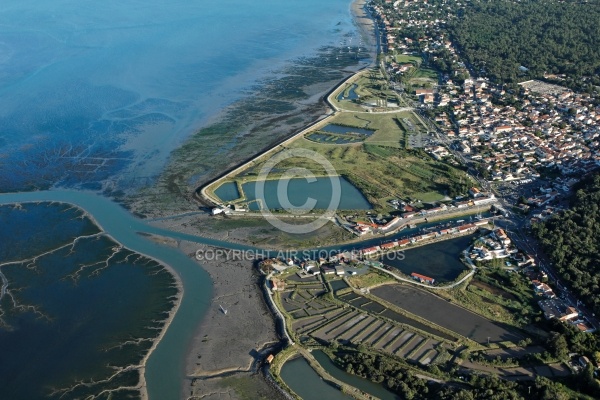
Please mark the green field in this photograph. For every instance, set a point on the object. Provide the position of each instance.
(426, 73)
(420, 77)
(380, 165)
(499, 295)
(381, 172)
(388, 131)
(329, 138)
(405, 59)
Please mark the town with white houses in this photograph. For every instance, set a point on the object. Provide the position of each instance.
(512, 135)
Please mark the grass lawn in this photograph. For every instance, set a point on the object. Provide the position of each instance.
(369, 84)
(388, 131)
(426, 73)
(328, 138)
(428, 197)
(369, 279)
(388, 138)
(405, 59)
(348, 105)
(499, 295)
(357, 120)
(418, 76)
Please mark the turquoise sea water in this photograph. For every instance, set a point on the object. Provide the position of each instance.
(96, 95)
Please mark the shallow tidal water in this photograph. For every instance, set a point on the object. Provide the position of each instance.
(302, 194)
(97, 96)
(75, 305)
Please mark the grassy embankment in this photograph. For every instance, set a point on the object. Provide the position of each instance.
(379, 168)
(379, 164)
(370, 279)
(257, 231)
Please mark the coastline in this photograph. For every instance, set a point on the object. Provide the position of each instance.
(365, 23)
(143, 383)
(365, 26)
(207, 326)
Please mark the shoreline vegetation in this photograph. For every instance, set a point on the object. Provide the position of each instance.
(253, 124)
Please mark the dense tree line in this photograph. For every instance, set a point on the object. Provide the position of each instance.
(407, 385)
(565, 339)
(394, 376)
(497, 37)
(404, 382)
(572, 241)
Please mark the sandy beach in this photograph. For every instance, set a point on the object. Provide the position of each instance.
(365, 23)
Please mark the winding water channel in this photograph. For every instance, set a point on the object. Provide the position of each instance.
(166, 366)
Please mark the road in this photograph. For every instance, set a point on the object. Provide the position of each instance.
(413, 282)
(521, 237)
(516, 226)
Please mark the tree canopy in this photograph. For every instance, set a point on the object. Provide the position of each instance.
(571, 240)
(544, 36)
